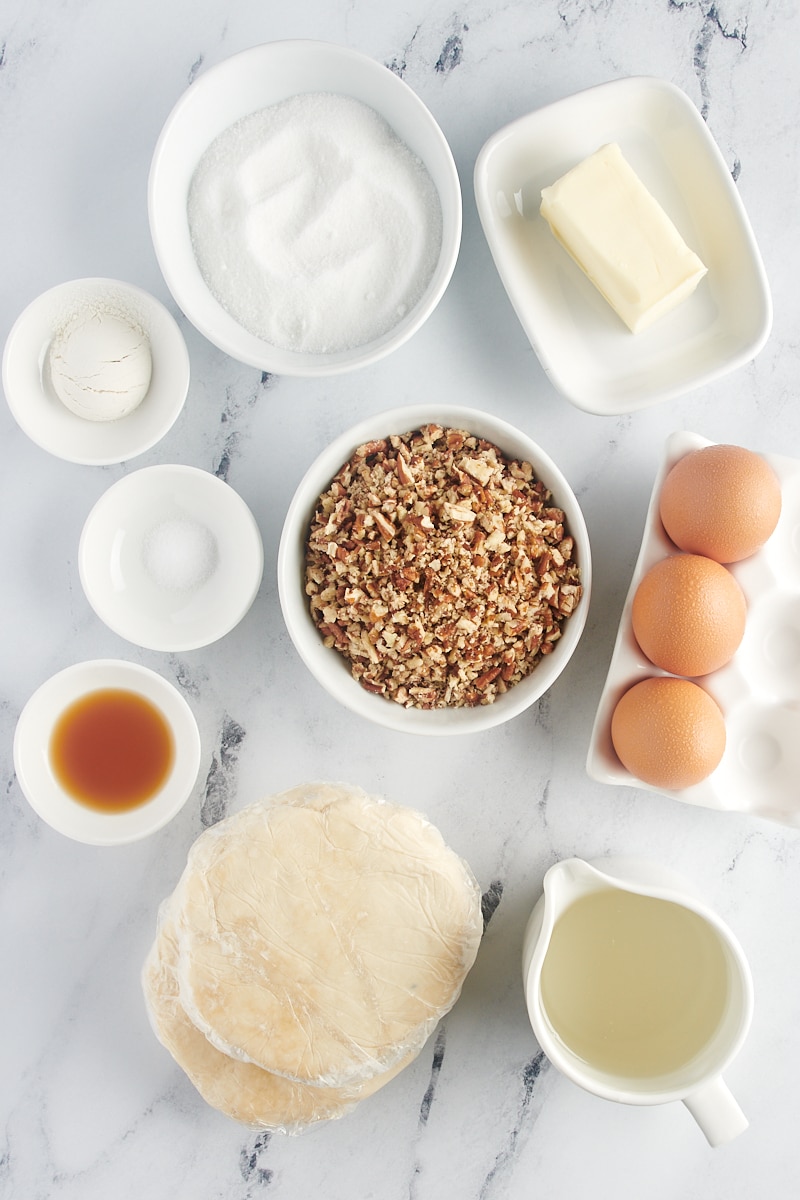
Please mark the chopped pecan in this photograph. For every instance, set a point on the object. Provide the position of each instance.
(439, 568)
(386, 527)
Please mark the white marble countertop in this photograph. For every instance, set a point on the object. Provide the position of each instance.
(92, 1106)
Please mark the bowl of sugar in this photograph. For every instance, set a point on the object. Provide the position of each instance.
(305, 208)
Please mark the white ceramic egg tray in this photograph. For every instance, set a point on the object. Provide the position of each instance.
(758, 691)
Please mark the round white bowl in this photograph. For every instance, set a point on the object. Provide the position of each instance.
(246, 83)
(329, 667)
(38, 781)
(38, 410)
(146, 609)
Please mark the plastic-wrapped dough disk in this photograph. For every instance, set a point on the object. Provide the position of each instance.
(239, 1089)
(322, 934)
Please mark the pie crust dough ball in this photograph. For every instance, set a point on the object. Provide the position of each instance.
(239, 1089)
(311, 946)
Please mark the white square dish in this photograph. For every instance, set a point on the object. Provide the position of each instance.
(590, 356)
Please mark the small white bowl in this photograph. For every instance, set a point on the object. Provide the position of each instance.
(38, 410)
(246, 83)
(38, 781)
(171, 558)
(583, 346)
(329, 667)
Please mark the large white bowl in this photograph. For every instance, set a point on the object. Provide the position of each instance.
(243, 84)
(329, 667)
(38, 781)
(590, 356)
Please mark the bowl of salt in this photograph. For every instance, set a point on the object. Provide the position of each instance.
(170, 558)
(305, 208)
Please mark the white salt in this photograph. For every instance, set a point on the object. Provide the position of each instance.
(179, 554)
(313, 224)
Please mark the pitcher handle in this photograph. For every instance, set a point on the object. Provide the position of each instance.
(716, 1112)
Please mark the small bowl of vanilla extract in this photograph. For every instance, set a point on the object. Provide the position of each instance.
(107, 752)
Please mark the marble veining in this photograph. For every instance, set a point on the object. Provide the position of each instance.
(497, 1179)
(490, 901)
(439, 1047)
(91, 1106)
(233, 424)
(251, 1159)
(711, 29)
(221, 778)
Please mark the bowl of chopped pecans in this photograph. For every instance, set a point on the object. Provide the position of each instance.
(434, 570)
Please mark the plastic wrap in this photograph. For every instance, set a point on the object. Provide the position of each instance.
(312, 944)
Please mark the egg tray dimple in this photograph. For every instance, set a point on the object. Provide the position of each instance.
(758, 690)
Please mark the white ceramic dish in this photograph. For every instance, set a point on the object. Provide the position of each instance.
(758, 691)
(588, 353)
(329, 667)
(35, 773)
(38, 410)
(201, 600)
(243, 84)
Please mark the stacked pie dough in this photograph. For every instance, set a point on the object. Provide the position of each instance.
(312, 944)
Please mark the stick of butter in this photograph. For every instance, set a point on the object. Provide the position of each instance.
(621, 238)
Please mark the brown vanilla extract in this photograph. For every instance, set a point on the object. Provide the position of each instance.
(112, 750)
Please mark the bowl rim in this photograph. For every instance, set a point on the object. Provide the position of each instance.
(331, 670)
(257, 352)
(36, 778)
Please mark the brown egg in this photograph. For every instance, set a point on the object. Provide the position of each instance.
(721, 501)
(668, 732)
(688, 615)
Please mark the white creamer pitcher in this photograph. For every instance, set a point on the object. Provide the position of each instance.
(626, 933)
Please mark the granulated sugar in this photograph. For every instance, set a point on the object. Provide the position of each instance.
(313, 225)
